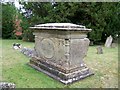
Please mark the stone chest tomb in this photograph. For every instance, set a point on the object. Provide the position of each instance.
(59, 51)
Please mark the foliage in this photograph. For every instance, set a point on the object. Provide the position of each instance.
(27, 33)
(112, 19)
(8, 14)
(14, 24)
(102, 17)
(18, 28)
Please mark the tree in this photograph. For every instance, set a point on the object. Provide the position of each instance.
(8, 14)
(112, 19)
(18, 28)
(103, 18)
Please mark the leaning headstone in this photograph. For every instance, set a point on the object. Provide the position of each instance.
(99, 50)
(7, 86)
(108, 41)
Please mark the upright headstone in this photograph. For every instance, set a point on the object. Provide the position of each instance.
(91, 43)
(113, 45)
(108, 41)
(99, 50)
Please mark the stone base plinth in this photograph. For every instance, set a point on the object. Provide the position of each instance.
(57, 73)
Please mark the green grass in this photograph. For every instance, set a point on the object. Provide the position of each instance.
(15, 69)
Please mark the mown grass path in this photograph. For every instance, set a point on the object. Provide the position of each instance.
(14, 69)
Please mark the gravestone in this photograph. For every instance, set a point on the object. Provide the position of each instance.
(60, 49)
(91, 43)
(108, 41)
(113, 45)
(99, 50)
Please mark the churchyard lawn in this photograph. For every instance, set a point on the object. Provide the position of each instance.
(15, 69)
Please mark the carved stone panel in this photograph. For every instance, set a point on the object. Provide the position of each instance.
(47, 48)
(78, 50)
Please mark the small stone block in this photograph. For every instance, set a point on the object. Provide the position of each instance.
(99, 50)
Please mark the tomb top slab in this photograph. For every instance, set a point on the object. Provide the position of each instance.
(61, 26)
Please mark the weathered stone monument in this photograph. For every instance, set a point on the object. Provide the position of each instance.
(108, 41)
(60, 49)
(113, 45)
(99, 50)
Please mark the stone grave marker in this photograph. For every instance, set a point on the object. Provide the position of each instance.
(99, 50)
(108, 41)
(61, 48)
(91, 43)
(113, 45)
